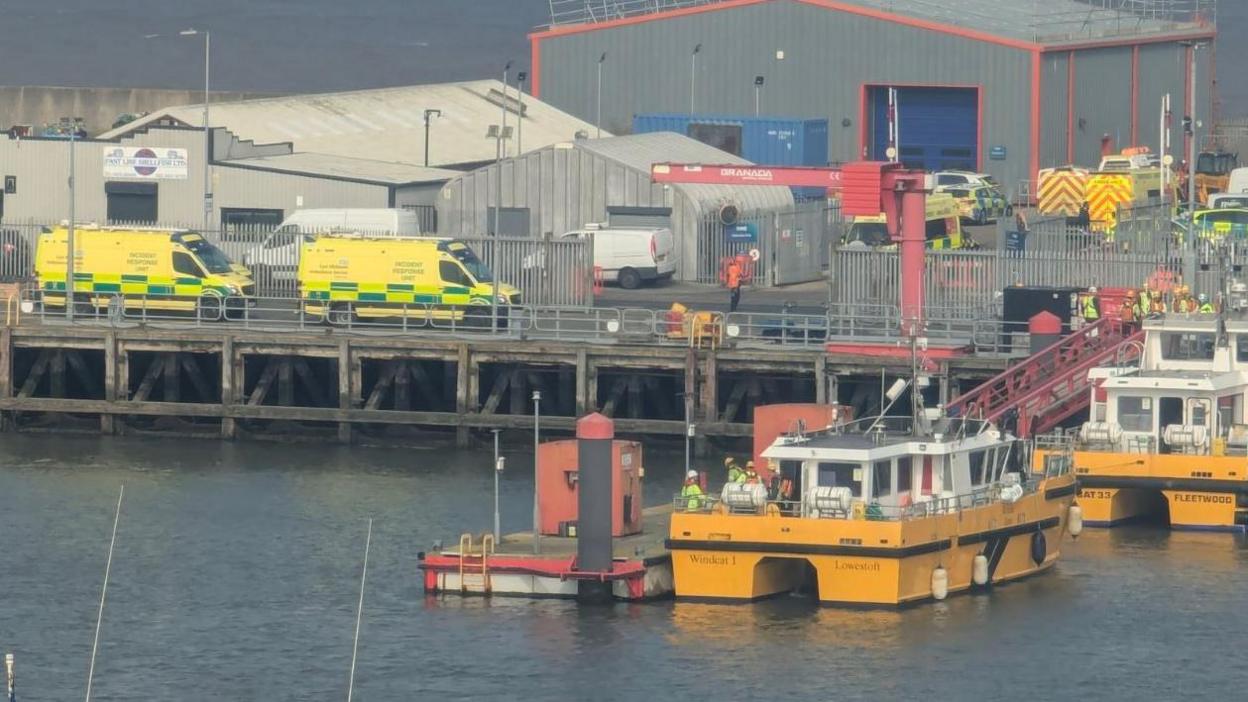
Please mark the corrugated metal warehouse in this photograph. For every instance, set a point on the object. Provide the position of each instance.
(565, 186)
(1004, 86)
(257, 186)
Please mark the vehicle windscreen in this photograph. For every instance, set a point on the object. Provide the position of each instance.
(212, 257)
(475, 266)
(1220, 216)
(869, 233)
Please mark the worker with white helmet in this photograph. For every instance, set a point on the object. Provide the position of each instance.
(692, 492)
(1089, 306)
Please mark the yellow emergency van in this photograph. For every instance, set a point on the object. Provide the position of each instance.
(944, 227)
(347, 277)
(157, 269)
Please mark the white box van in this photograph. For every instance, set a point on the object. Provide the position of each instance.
(277, 257)
(630, 256)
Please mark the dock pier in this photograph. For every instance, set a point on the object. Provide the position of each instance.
(233, 382)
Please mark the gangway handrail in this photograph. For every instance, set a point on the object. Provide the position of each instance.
(1001, 392)
(1076, 380)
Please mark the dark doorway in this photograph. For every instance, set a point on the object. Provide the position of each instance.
(131, 203)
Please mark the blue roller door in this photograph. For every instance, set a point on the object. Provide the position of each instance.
(939, 127)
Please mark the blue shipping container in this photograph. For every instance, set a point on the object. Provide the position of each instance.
(767, 141)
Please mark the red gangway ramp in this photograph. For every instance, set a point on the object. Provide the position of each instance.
(1051, 386)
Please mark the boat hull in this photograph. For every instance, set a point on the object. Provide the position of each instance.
(1187, 492)
(733, 557)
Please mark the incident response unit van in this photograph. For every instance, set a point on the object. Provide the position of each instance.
(630, 256)
(943, 227)
(277, 257)
(158, 269)
(343, 277)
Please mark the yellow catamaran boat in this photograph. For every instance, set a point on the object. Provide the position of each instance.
(879, 512)
(1167, 436)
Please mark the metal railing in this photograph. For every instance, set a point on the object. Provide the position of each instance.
(572, 323)
(927, 506)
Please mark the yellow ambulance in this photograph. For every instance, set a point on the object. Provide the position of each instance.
(944, 227)
(347, 277)
(157, 269)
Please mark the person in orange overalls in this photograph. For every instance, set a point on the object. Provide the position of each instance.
(733, 276)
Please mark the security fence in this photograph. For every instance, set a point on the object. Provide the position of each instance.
(972, 280)
(547, 272)
(792, 246)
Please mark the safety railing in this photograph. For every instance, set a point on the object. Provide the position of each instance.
(873, 511)
(570, 323)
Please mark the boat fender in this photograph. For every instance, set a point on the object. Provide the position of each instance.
(1039, 548)
(1074, 522)
(979, 570)
(940, 583)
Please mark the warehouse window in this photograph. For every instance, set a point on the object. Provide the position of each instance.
(725, 137)
(513, 222)
(131, 203)
(247, 218)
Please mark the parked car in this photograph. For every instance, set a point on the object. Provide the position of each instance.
(941, 179)
(979, 204)
(630, 256)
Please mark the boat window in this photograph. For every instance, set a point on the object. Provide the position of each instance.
(1187, 346)
(1241, 348)
(946, 474)
(881, 478)
(1198, 412)
(1228, 413)
(904, 471)
(840, 475)
(978, 464)
(1135, 413)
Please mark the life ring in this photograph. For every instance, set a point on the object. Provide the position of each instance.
(1039, 547)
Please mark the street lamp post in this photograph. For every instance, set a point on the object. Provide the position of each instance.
(498, 469)
(537, 506)
(1189, 128)
(520, 78)
(758, 94)
(500, 135)
(598, 120)
(506, 71)
(428, 115)
(693, 78)
(207, 129)
(69, 237)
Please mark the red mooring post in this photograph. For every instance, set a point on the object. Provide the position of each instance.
(913, 243)
(595, 434)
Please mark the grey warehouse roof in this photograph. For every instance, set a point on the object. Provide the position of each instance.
(641, 151)
(385, 124)
(355, 169)
(1027, 20)
(1032, 21)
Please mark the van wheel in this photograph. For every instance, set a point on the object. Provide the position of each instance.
(629, 279)
(340, 315)
(209, 308)
(477, 317)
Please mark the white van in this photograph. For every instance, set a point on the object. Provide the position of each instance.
(630, 256)
(1238, 182)
(277, 257)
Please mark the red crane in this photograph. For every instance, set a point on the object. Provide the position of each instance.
(867, 188)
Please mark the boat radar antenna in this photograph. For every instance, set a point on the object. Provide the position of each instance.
(99, 617)
(359, 611)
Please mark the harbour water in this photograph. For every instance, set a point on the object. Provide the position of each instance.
(237, 567)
